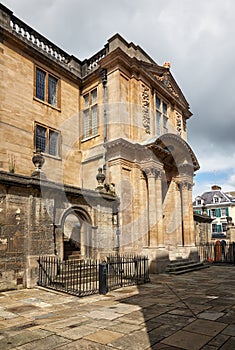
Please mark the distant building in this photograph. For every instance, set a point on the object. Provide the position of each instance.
(219, 206)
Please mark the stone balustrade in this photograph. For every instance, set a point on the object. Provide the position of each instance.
(93, 61)
(24, 32)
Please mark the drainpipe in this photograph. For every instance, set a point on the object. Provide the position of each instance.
(104, 82)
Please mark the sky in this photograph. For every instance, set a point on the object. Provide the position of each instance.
(197, 37)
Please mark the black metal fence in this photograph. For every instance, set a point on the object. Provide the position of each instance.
(218, 252)
(88, 277)
(126, 270)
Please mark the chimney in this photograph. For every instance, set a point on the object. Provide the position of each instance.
(215, 188)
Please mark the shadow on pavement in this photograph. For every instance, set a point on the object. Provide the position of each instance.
(191, 311)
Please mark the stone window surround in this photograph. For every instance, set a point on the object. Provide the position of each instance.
(48, 74)
(93, 131)
(46, 151)
(164, 117)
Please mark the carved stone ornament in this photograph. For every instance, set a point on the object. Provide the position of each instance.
(178, 119)
(164, 78)
(100, 177)
(145, 103)
(152, 172)
(38, 161)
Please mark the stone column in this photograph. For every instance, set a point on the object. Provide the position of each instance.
(160, 234)
(143, 211)
(152, 209)
(187, 213)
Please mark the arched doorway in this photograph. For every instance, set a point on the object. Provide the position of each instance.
(76, 229)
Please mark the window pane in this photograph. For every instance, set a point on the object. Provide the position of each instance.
(165, 130)
(52, 90)
(94, 120)
(86, 101)
(158, 123)
(224, 227)
(53, 143)
(40, 138)
(94, 96)
(40, 84)
(86, 123)
(158, 103)
(164, 107)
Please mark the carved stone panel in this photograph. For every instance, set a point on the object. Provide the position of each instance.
(145, 104)
(178, 120)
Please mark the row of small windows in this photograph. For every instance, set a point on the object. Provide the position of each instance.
(215, 213)
(216, 199)
(219, 228)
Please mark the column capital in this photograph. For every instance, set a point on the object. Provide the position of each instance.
(152, 172)
(183, 184)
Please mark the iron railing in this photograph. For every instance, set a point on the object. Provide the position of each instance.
(75, 277)
(126, 270)
(86, 277)
(218, 252)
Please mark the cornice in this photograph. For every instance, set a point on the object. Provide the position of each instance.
(27, 182)
(36, 54)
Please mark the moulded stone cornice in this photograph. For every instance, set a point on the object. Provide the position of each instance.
(132, 152)
(17, 180)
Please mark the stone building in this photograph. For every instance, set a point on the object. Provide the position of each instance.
(117, 114)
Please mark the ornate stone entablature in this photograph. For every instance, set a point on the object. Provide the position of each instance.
(145, 104)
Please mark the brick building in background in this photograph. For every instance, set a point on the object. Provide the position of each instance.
(112, 169)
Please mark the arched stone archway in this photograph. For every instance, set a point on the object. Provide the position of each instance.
(77, 233)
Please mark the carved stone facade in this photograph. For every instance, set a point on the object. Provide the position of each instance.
(119, 112)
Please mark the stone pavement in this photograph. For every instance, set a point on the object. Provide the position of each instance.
(192, 311)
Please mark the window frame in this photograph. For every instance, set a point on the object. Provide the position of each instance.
(90, 110)
(223, 212)
(213, 213)
(161, 116)
(48, 130)
(48, 75)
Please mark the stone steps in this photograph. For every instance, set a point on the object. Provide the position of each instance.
(180, 266)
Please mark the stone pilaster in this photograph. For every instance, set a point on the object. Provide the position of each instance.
(160, 234)
(187, 213)
(154, 205)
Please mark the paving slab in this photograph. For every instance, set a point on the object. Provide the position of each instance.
(187, 340)
(83, 344)
(104, 336)
(210, 315)
(170, 313)
(229, 345)
(205, 327)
